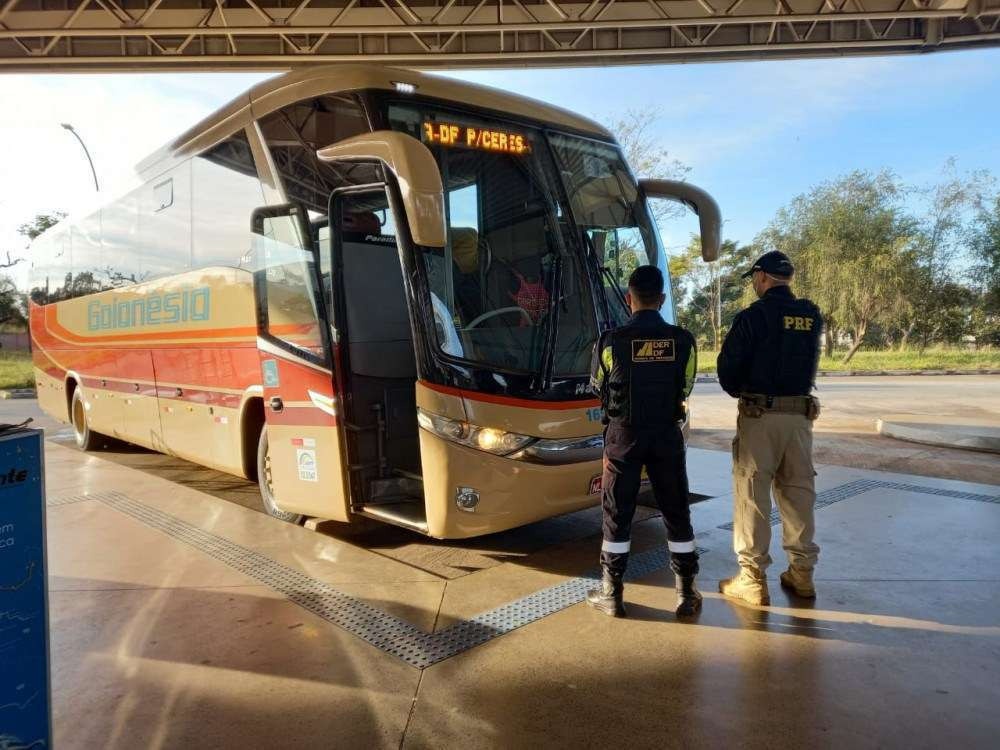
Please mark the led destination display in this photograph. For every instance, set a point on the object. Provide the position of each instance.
(484, 139)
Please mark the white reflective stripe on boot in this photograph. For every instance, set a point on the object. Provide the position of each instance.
(617, 548)
(681, 546)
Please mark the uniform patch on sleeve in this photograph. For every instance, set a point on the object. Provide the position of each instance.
(653, 350)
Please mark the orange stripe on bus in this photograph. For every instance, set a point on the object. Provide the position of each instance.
(491, 398)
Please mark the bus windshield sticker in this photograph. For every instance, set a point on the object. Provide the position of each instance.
(483, 139)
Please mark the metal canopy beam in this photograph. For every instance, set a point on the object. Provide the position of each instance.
(270, 34)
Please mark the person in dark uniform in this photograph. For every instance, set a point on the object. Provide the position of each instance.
(644, 372)
(768, 361)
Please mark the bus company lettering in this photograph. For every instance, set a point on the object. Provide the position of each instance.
(150, 310)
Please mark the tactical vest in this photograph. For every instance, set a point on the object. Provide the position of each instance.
(784, 364)
(646, 378)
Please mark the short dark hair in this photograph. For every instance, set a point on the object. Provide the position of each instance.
(646, 284)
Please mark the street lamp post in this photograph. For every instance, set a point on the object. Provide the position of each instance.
(93, 171)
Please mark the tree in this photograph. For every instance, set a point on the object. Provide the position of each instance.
(852, 245)
(40, 223)
(709, 294)
(31, 230)
(13, 304)
(984, 248)
(933, 296)
(647, 158)
(644, 155)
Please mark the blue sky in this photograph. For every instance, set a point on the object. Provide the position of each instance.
(755, 134)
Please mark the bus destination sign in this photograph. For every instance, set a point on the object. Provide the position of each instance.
(484, 139)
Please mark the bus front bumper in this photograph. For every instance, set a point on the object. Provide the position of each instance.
(470, 492)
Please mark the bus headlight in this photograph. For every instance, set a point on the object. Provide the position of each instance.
(488, 439)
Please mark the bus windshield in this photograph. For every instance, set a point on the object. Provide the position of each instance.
(609, 211)
(510, 285)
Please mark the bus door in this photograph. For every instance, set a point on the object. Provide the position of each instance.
(376, 363)
(299, 456)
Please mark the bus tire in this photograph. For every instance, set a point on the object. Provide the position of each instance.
(86, 438)
(264, 482)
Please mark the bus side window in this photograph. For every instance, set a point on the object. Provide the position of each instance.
(225, 190)
(287, 277)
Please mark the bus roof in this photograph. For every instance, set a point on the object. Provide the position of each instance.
(304, 83)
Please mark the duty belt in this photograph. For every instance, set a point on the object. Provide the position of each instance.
(755, 404)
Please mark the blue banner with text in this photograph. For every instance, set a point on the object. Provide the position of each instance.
(25, 720)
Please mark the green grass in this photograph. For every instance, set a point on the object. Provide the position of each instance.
(15, 370)
(868, 361)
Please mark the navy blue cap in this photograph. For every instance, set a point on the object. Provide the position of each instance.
(775, 263)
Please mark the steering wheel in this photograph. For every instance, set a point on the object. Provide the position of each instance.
(500, 311)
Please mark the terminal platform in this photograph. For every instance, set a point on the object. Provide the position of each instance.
(181, 618)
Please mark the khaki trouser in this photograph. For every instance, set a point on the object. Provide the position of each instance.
(774, 449)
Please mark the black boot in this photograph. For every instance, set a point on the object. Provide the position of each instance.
(688, 598)
(608, 598)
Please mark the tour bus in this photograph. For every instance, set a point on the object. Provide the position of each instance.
(372, 291)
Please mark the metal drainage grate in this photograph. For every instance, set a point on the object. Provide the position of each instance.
(944, 493)
(860, 486)
(67, 500)
(384, 631)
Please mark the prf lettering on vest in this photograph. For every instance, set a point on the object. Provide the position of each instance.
(653, 350)
(798, 323)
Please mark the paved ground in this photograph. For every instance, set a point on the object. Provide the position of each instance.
(180, 619)
(845, 433)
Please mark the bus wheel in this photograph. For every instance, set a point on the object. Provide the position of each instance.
(86, 438)
(266, 488)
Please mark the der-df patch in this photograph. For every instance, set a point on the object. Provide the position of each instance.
(653, 350)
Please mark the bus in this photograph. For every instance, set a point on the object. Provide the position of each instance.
(374, 292)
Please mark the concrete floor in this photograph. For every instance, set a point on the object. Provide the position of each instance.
(161, 640)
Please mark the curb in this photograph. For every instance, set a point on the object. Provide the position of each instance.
(705, 378)
(964, 437)
(896, 373)
(17, 393)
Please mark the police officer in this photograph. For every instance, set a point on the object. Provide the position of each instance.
(768, 361)
(644, 372)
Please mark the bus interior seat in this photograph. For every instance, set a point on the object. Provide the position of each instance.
(469, 254)
(378, 320)
(380, 344)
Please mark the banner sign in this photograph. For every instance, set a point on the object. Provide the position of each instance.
(25, 720)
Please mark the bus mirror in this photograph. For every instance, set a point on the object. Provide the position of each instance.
(699, 201)
(416, 172)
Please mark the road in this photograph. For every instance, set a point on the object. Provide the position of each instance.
(845, 431)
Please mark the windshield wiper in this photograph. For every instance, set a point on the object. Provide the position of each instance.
(605, 274)
(544, 374)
